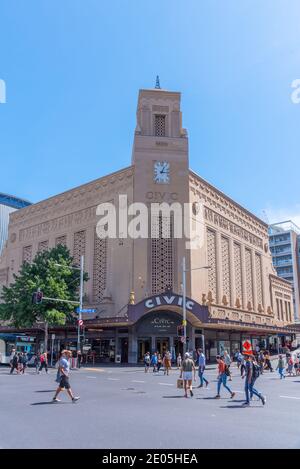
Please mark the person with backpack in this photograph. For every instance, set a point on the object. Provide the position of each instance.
(251, 374)
(223, 372)
(280, 366)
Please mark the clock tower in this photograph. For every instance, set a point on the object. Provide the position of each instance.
(161, 174)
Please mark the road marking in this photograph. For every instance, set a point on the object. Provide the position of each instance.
(136, 381)
(167, 384)
(97, 370)
(91, 377)
(290, 397)
(113, 379)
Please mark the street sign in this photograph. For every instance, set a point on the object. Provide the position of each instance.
(52, 336)
(88, 310)
(80, 322)
(247, 347)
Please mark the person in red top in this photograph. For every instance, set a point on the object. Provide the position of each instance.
(222, 377)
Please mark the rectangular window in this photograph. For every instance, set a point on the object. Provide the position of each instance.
(160, 125)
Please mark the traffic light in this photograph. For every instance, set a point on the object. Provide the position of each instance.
(37, 297)
(180, 331)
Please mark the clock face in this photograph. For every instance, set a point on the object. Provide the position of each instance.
(161, 172)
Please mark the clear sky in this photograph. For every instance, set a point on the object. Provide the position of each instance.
(73, 69)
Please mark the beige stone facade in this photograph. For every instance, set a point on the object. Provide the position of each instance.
(240, 290)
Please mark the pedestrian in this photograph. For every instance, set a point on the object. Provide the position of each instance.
(290, 368)
(239, 359)
(79, 358)
(159, 362)
(24, 362)
(227, 361)
(297, 365)
(280, 366)
(14, 364)
(167, 362)
(201, 369)
(222, 377)
(251, 374)
(187, 370)
(147, 361)
(20, 362)
(261, 362)
(36, 362)
(242, 365)
(179, 361)
(43, 362)
(154, 361)
(64, 369)
(268, 365)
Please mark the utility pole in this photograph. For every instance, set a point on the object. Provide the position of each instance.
(184, 304)
(80, 302)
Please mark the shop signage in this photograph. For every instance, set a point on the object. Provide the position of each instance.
(174, 300)
(161, 323)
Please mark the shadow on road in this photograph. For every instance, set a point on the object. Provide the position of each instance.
(173, 397)
(47, 390)
(50, 403)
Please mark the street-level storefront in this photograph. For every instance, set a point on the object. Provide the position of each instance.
(152, 326)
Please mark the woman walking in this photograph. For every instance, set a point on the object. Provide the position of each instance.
(167, 362)
(187, 370)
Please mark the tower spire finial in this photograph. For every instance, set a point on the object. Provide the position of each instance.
(157, 84)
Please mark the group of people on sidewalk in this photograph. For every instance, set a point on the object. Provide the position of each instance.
(250, 372)
(157, 362)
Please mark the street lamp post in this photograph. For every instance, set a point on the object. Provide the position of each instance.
(184, 321)
(80, 296)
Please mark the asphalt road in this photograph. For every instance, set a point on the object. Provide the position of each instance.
(127, 408)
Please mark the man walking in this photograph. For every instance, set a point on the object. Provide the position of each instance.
(201, 369)
(14, 364)
(187, 370)
(64, 369)
(251, 374)
(222, 377)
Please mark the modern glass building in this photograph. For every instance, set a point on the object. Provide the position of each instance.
(285, 250)
(8, 204)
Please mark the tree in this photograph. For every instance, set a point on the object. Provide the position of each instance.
(52, 280)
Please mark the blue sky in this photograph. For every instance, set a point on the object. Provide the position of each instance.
(73, 69)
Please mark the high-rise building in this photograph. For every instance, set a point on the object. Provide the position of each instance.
(285, 250)
(8, 204)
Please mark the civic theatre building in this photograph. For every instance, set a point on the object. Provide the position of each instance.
(136, 284)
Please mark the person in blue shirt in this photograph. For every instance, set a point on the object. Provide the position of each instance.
(202, 364)
(154, 360)
(250, 378)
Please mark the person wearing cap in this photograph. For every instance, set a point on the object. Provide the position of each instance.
(64, 370)
(250, 378)
(187, 369)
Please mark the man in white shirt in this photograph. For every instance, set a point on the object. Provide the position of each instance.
(64, 369)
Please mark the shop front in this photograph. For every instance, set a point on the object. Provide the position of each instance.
(157, 332)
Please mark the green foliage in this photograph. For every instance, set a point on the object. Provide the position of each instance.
(53, 281)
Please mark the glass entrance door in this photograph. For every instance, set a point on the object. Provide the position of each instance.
(144, 346)
(162, 345)
(178, 347)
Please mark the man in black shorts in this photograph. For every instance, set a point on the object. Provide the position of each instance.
(64, 369)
